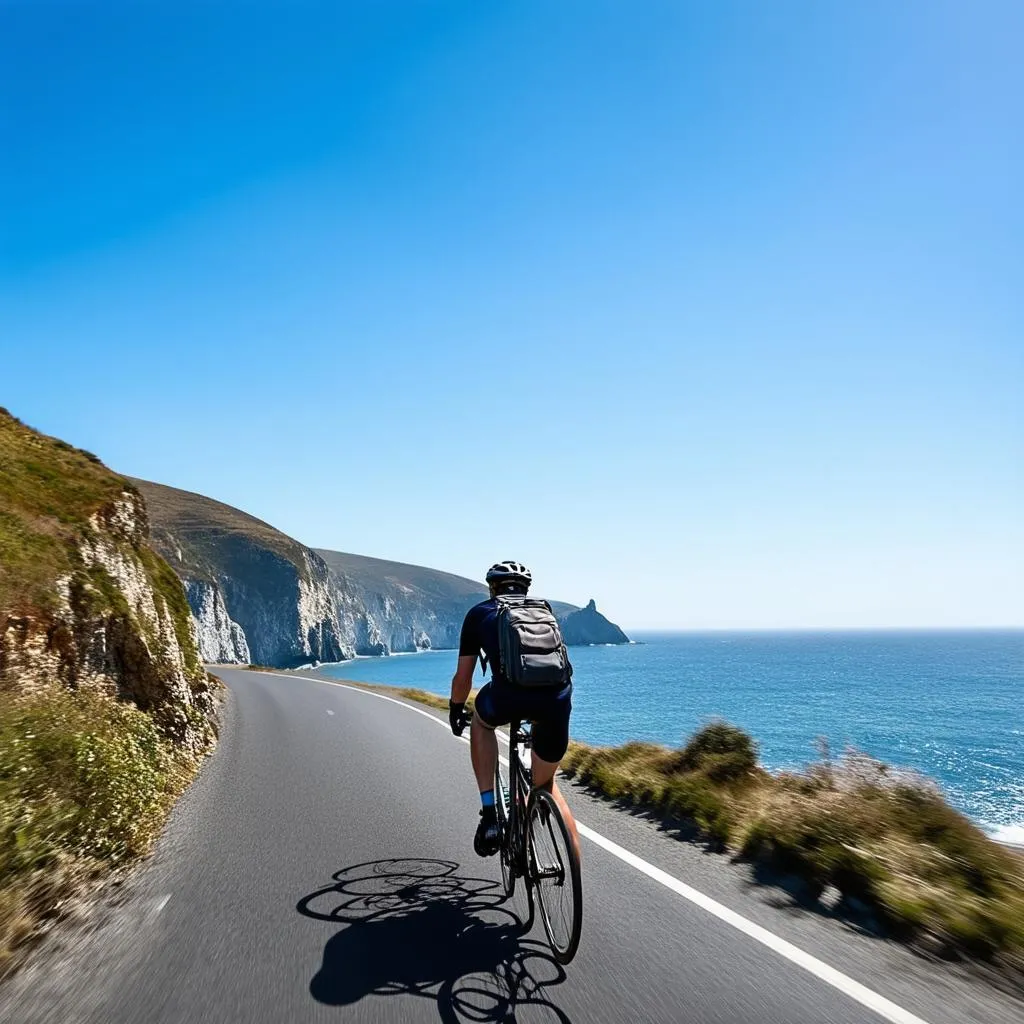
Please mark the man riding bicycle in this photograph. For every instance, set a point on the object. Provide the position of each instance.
(500, 702)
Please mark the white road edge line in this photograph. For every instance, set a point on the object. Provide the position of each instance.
(885, 1008)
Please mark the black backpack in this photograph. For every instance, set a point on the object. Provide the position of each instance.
(532, 649)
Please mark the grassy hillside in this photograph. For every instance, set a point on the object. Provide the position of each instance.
(105, 709)
(48, 491)
(203, 530)
(370, 571)
(432, 585)
(52, 497)
(86, 783)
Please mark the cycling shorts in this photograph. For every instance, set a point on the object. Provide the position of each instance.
(548, 708)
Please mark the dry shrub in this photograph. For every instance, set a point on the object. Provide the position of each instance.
(85, 783)
(723, 752)
(888, 838)
(883, 836)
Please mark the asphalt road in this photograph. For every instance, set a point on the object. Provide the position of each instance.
(321, 869)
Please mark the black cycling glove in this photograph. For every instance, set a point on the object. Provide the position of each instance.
(457, 717)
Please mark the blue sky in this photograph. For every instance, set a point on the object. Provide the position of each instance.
(727, 298)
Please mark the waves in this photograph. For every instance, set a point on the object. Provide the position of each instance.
(1011, 834)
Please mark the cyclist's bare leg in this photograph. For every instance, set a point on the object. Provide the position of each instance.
(544, 777)
(483, 749)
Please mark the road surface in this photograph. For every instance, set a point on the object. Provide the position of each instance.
(321, 869)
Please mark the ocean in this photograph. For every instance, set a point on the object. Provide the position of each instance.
(948, 704)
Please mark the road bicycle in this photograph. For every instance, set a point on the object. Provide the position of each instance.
(536, 847)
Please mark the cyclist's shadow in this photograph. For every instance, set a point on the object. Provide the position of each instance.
(415, 927)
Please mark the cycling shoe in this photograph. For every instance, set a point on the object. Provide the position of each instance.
(488, 836)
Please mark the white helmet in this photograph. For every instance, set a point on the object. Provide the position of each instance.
(509, 572)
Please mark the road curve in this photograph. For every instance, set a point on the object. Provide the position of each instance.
(321, 869)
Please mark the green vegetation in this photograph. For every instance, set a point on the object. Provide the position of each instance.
(85, 780)
(48, 491)
(879, 836)
(85, 784)
(167, 585)
(210, 535)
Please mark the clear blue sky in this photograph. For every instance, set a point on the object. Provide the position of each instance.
(727, 297)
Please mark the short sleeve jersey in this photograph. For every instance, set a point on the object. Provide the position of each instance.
(480, 633)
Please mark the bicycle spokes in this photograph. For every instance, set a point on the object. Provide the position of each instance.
(554, 873)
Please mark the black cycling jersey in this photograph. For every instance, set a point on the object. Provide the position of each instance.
(480, 633)
(500, 702)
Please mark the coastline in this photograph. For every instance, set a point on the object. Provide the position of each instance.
(888, 695)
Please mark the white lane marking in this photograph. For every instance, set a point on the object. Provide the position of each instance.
(854, 989)
(885, 1008)
(161, 904)
(329, 711)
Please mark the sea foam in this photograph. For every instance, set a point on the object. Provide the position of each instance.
(1012, 834)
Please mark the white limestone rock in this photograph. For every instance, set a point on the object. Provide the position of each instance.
(220, 639)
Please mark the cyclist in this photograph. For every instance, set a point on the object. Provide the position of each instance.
(500, 702)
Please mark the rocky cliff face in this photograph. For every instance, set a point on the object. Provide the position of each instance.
(221, 640)
(256, 594)
(84, 601)
(394, 607)
(391, 607)
(589, 626)
(260, 596)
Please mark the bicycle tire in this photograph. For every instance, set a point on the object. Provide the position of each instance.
(554, 871)
(506, 852)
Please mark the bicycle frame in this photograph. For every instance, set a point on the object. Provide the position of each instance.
(520, 784)
(518, 818)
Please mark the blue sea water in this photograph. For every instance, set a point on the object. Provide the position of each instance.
(949, 704)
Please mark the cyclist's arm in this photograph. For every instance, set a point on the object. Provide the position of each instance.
(469, 651)
(462, 681)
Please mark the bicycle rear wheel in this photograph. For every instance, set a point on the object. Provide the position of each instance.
(506, 854)
(554, 871)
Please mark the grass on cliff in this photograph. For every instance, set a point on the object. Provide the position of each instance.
(884, 838)
(85, 784)
(210, 534)
(48, 491)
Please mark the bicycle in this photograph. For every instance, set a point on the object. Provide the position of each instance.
(536, 846)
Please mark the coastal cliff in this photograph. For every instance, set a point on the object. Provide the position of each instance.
(257, 595)
(400, 608)
(393, 607)
(84, 601)
(588, 626)
(105, 707)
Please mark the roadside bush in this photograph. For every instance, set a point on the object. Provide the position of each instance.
(695, 798)
(85, 782)
(721, 751)
(883, 837)
(79, 772)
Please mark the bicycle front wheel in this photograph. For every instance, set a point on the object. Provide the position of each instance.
(555, 874)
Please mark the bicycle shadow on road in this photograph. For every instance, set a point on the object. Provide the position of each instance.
(417, 927)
